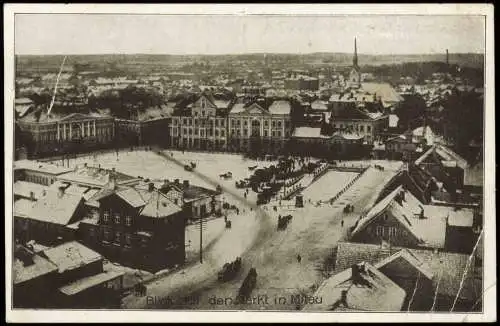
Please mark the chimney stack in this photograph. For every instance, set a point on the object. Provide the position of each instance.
(32, 195)
(177, 181)
(151, 186)
(185, 183)
(60, 193)
(355, 274)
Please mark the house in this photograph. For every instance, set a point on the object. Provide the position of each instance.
(96, 177)
(30, 275)
(402, 220)
(37, 172)
(81, 281)
(53, 132)
(47, 220)
(141, 228)
(201, 125)
(405, 265)
(66, 276)
(254, 129)
(196, 202)
(361, 287)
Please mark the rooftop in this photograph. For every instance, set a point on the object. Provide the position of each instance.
(53, 207)
(430, 230)
(24, 189)
(71, 255)
(40, 167)
(444, 265)
(375, 292)
(95, 176)
(86, 283)
(26, 272)
(280, 107)
(308, 132)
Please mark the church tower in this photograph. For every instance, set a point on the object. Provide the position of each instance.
(355, 74)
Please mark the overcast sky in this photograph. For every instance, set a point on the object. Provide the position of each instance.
(162, 34)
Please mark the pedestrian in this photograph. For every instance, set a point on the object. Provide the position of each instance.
(299, 259)
(342, 223)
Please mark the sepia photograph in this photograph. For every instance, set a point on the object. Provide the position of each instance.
(289, 161)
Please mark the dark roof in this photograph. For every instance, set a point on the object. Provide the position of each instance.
(71, 255)
(26, 271)
(447, 265)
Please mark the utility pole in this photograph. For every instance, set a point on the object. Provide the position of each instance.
(201, 239)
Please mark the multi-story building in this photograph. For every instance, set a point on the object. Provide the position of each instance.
(56, 133)
(202, 125)
(358, 113)
(255, 129)
(136, 227)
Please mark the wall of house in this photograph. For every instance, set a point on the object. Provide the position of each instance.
(386, 227)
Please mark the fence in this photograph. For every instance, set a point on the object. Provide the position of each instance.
(346, 187)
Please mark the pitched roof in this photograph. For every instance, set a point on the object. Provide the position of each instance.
(71, 255)
(280, 107)
(51, 208)
(383, 90)
(430, 231)
(308, 132)
(378, 293)
(26, 272)
(95, 176)
(158, 205)
(131, 196)
(443, 265)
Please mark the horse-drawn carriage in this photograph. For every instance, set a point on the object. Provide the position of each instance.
(228, 224)
(248, 284)
(227, 175)
(348, 209)
(188, 168)
(229, 270)
(251, 168)
(283, 221)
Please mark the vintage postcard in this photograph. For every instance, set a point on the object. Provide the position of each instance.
(202, 163)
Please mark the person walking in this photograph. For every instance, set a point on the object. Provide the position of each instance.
(299, 259)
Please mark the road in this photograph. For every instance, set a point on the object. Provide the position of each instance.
(313, 233)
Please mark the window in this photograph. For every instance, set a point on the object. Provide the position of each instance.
(266, 123)
(245, 123)
(118, 236)
(222, 123)
(362, 128)
(279, 124)
(185, 131)
(245, 132)
(184, 121)
(202, 133)
(190, 131)
(128, 220)
(107, 235)
(216, 133)
(266, 133)
(105, 217)
(117, 218)
(222, 133)
(380, 230)
(128, 239)
(278, 133)
(273, 124)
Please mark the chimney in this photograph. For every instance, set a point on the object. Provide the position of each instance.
(60, 193)
(177, 181)
(32, 195)
(355, 274)
(85, 164)
(421, 216)
(185, 183)
(151, 186)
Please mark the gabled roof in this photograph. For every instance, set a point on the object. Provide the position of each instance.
(378, 293)
(446, 267)
(89, 282)
(26, 272)
(24, 189)
(132, 197)
(51, 208)
(252, 109)
(71, 255)
(429, 231)
(410, 258)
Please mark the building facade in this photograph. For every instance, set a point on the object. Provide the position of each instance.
(139, 228)
(201, 126)
(254, 129)
(60, 134)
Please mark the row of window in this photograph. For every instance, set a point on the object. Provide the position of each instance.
(117, 219)
(274, 133)
(388, 231)
(201, 122)
(116, 237)
(201, 132)
(360, 128)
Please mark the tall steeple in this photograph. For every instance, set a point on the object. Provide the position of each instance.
(355, 58)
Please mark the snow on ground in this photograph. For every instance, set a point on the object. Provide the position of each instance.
(328, 185)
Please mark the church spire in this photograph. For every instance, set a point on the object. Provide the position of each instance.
(355, 58)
